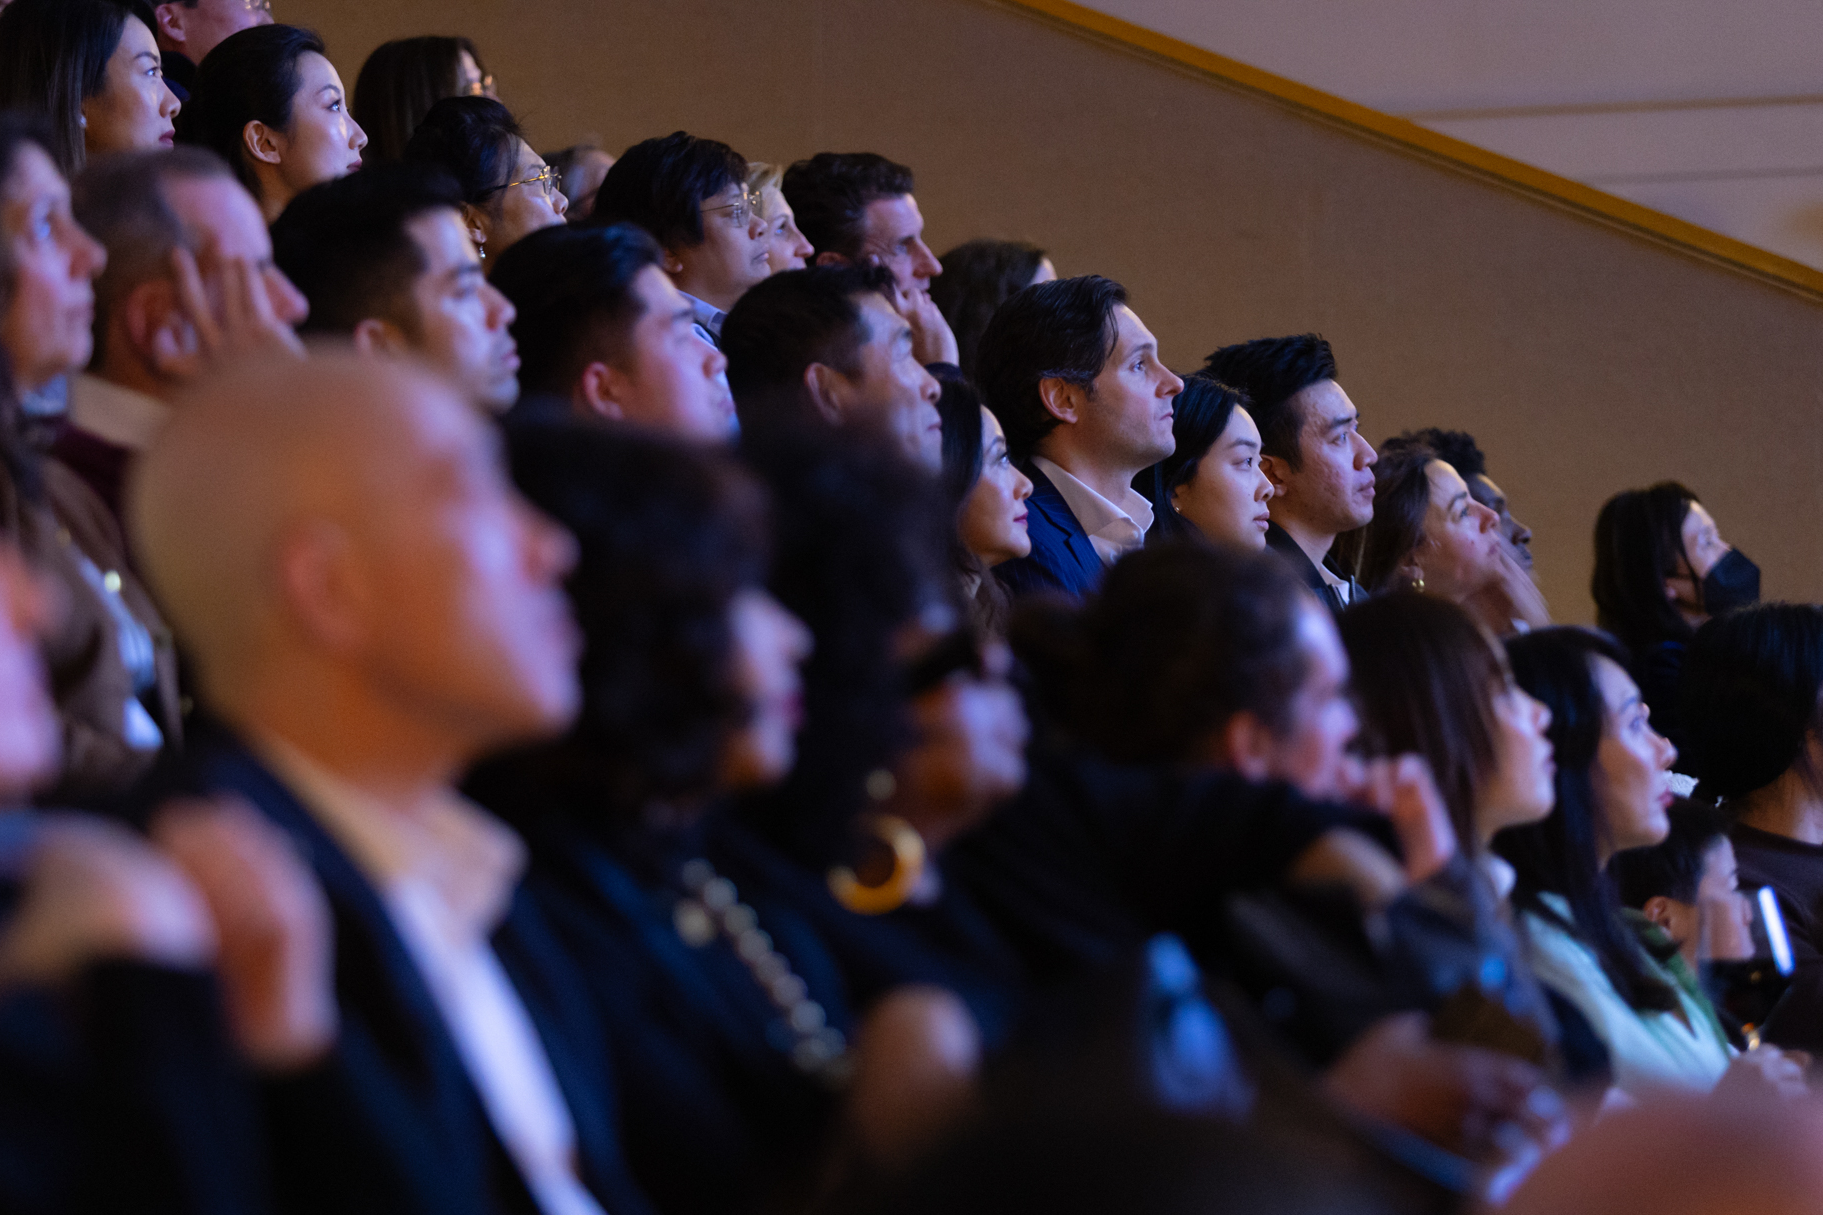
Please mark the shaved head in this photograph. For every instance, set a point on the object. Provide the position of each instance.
(347, 523)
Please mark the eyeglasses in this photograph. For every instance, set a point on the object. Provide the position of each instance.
(738, 211)
(547, 177)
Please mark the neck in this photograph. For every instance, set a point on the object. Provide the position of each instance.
(722, 300)
(1789, 807)
(1111, 478)
(335, 722)
(1315, 542)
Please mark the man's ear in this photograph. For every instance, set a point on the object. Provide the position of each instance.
(151, 320)
(170, 23)
(263, 143)
(1660, 911)
(375, 337)
(324, 594)
(826, 387)
(597, 393)
(1277, 471)
(1248, 746)
(1062, 399)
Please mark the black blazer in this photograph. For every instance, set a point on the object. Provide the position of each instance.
(390, 1122)
(1062, 558)
(1281, 543)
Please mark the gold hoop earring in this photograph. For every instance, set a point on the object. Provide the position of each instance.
(889, 868)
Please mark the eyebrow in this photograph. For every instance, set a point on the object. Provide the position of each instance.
(1337, 423)
(1458, 500)
(1251, 444)
(686, 314)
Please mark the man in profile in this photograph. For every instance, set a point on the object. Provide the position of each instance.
(371, 607)
(1074, 377)
(857, 208)
(825, 346)
(1311, 448)
(603, 333)
(384, 258)
(189, 29)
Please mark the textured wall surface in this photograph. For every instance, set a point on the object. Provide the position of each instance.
(1585, 359)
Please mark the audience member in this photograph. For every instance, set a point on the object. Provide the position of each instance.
(1211, 485)
(508, 192)
(1612, 793)
(1661, 569)
(189, 29)
(269, 102)
(1751, 687)
(786, 248)
(857, 207)
(1459, 450)
(603, 334)
(1311, 448)
(977, 278)
(691, 194)
(383, 256)
(403, 79)
(90, 68)
(581, 168)
(189, 281)
(989, 493)
(824, 346)
(370, 609)
(1688, 888)
(1075, 379)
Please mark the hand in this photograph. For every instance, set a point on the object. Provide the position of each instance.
(1766, 1072)
(932, 339)
(276, 960)
(1402, 789)
(93, 891)
(1512, 596)
(1474, 1102)
(915, 1061)
(246, 324)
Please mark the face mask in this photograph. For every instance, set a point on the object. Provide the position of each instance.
(1733, 583)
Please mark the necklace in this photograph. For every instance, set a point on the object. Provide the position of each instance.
(714, 909)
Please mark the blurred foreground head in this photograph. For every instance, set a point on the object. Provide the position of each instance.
(340, 537)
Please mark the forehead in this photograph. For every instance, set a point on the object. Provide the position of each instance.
(1241, 427)
(1132, 331)
(1322, 402)
(33, 176)
(315, 73)
(1616, 686)
(443, 241)
(1445, 481)
(135, 39)
(891, 219)
(524, 157)
(883, 324)
(223, 212)
(990, 425)
(656, 294)
(1697, 521)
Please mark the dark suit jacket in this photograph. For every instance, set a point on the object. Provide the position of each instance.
(1062, 558)
(391, 1121)
(1281, 542)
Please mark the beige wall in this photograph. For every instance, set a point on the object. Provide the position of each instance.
(1585, 359)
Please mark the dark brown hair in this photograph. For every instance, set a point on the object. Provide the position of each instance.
(1425, 678)
(1402, 495)
(399, 84)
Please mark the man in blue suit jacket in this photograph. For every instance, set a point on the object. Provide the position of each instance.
(1076, 381)
(370, 608)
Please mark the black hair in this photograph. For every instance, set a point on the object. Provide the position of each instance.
(1750, 697)
(830, 193)
(667, 535)
(662, 184)
(1066, 329)
(250, 76)
(1456, 448)
(1672, 869)
(54, 56)
(1201, 412)
(785, 323)
(859, 553)
(1271, 371)
(1559, 855)
(344, 243)
(120, 200)
(1181, 637)
(1639, 543)
(473, 139)
(1402, 496)
(977, 278)
(18, 459)
(566, 161)
(399, 84)
(573, 290)
(1425, 678)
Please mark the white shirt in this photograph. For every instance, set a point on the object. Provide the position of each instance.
(446, 874)
(119, 415)
(1114, 528)
(1343, 588)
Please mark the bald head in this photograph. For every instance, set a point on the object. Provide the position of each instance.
(346, 522)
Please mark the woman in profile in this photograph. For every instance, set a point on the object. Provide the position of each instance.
(977, 278)
(1211, 485)
(403, 79)
(508, 192)
(270, 103)
(989, 493)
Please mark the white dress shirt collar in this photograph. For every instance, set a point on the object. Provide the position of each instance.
(1114, 528)
(120, 416)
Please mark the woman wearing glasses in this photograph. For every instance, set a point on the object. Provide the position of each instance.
(508, 192)
(402, 80)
